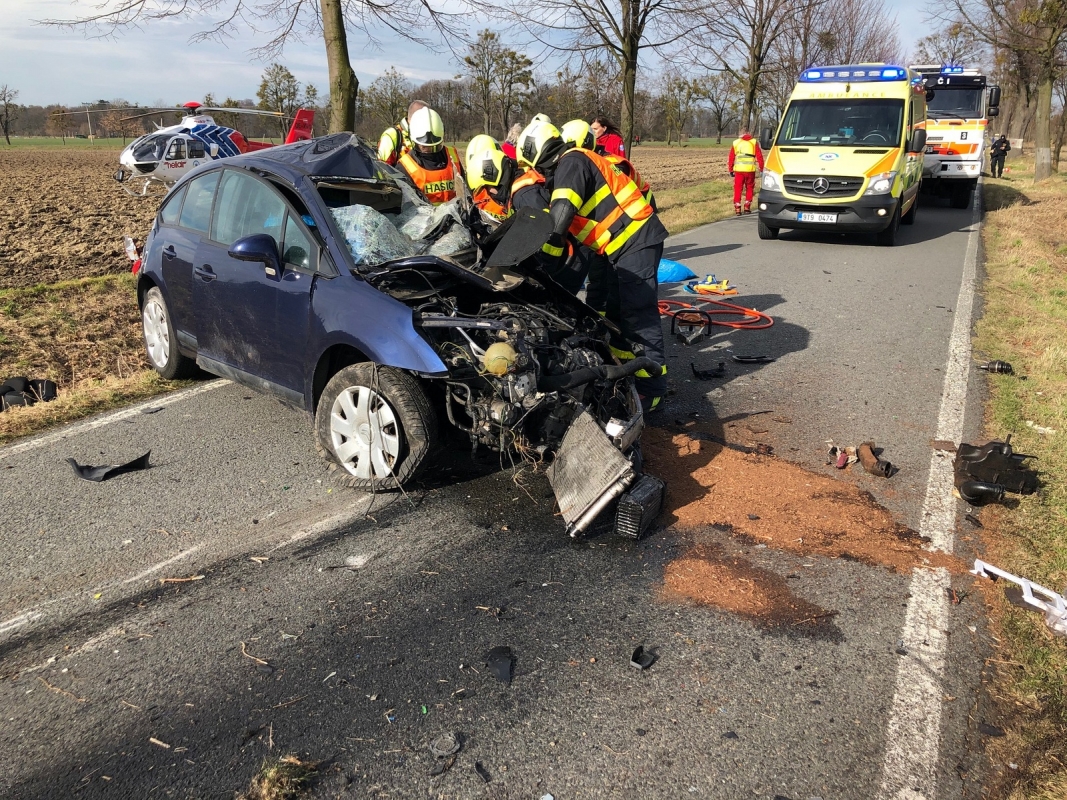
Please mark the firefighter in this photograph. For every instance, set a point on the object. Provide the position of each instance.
(432, 167)
(489, 174)
(604, 210)
(745, 156)
(394, 141)
(579, 133)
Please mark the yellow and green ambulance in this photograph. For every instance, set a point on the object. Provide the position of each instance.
(848, 154)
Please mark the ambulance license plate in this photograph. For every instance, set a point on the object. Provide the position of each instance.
(814, 216)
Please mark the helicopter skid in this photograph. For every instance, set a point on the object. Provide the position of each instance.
(141, 185)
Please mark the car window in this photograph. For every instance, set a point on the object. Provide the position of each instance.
(196, 210)
(298, 246)
(246, 206)
(172, 207)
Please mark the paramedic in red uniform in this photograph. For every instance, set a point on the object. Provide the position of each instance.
(608, 138)
(745, 158)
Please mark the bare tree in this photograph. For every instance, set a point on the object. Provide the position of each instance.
(679, 98)
(859, 31)
(386, 99)
(956, 43)
(1035, 32)
(279, 90)
(621, 28)
(723, 97)
(282, 21)
(9, 110)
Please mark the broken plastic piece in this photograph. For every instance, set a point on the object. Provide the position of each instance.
(979, 493)
(872, 463)
(501, 663)
(483, 773)
(642, 658)
(708, 374)
(840, 457)
(98, 474)
(993, 463)
(1034, 595)
(751, 359)
(445, 745)
(690, 325)
(1001, 367)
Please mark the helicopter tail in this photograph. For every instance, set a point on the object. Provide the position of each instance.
(302, 126)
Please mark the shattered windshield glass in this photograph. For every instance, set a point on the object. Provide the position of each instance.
(381, 223)
(151, 148)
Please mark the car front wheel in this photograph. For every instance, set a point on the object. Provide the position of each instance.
(375, 426)
(160, 340)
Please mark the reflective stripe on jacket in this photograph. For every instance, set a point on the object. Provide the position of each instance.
(392, 144)
(615, 211)
(628, 168)
(437, 185)
(744, 155)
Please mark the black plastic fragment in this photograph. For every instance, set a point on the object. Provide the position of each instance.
(708, 374)
(501, 663)
(971, 518)
(152, 410)
(751, 359)
(990, 730)
(642, 658)
(483, 773)
(730, 735)
(98, 474)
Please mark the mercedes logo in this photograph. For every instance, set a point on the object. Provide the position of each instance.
(820, 186)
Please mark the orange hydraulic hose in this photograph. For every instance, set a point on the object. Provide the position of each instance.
(751, 318)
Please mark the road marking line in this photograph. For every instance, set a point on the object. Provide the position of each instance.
(17, 622)
(156, 568)
(913, 735)
(106, 419)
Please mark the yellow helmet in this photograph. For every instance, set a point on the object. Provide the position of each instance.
(427, 128)
(578, 133)
(539, 145)
(485, 162)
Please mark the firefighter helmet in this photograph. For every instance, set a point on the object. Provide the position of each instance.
(485, 162)
(578, 133)
(426, 128)
(539, 145)
(541, 118)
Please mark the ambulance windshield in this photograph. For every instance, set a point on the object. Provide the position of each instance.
(955, 103)
(843, 123)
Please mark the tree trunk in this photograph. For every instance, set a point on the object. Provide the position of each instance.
(1061, 135)
(485, 121)
(629, 86)
(1043, 132)
(343, 82)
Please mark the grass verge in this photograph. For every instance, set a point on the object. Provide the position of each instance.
(1025, 322)
(693, 206)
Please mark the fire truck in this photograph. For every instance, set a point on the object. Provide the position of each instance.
(958, 109)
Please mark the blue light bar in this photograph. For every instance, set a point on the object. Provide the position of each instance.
(850, 74)
(947, 70)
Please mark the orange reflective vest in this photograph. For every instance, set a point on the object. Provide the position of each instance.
(486, 203)
(615, 212)
(744, 155)
(628, 168)
(437, 185)
(529, 178)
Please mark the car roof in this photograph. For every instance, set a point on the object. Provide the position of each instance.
(339, 155)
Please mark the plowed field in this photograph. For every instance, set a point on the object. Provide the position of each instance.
(675, 167)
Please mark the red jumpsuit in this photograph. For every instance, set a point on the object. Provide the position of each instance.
(744, 157)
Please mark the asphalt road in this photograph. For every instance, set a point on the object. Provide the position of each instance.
(116, 684)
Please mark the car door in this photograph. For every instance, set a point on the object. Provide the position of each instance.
(253, 325)
(176, 247)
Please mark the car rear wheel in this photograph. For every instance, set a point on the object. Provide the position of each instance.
(375, 426)
(160, 340)
(765, 231)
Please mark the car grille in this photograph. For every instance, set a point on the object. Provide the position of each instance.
(804, 185)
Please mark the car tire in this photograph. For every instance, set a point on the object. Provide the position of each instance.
(961, 196)
(765, 231)
(888, 237)
(398, 430)
(160, 339)
(909, 218)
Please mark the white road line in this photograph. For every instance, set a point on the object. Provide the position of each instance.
(106, 419)
(913, 735)
(173, 559)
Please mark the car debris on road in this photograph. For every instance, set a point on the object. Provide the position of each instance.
(1053, 605)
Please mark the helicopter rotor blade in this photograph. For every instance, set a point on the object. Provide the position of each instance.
(256, 111)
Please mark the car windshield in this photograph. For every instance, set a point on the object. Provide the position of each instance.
(381, 222)
(962, 103)
(151, 148)
(843, 123)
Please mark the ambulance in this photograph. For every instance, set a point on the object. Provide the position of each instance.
(848, 154)
(958, 109)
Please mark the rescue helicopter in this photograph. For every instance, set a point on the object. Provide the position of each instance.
(155, 161)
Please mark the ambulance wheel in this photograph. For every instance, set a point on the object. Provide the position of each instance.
(961, 196)
(888, 237)
(909, 218)
(160, 339)
(765, 231)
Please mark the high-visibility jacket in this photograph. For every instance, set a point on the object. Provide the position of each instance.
(437, 185)
(530, 177)
(629, 169)
(392, 144)
(745, 154)
(608, 216)
(483, 200)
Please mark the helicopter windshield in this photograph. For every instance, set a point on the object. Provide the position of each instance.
(151, 148)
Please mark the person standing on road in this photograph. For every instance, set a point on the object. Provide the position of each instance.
(608, 138)
(745, 158)
(605, 211)
(997, 153)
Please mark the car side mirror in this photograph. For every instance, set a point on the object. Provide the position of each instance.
(918, 141)
(766, 138)
(994, 98)
(992, 111)
(259, 247)
(929, 95)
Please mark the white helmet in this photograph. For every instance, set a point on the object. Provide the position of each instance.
(541, 118)
(426, 128)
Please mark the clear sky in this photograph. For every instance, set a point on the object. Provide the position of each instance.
(50, 65)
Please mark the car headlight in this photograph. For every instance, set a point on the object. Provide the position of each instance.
(772, 181)
(881, 184)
